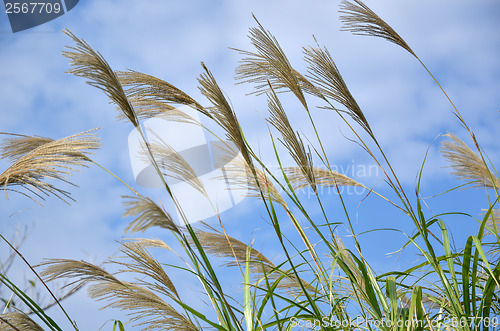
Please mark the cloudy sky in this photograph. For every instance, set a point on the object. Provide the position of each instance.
(458, 40)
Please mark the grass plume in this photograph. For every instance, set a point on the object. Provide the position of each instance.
(291, 140)
(153, 96)
(147, 214)
(147, 310)
(222, 113)
(40, 160)
(467, 165)
(18, 321)
(89, 64)
(328, 81)
(324, 177)
(269, 66)
(359, 19)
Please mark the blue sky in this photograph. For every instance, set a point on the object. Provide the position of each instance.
(458, 40)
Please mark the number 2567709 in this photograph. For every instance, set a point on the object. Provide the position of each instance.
(32, 8)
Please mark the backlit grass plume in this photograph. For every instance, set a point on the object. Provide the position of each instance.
(235, 254)
(146, 309)
(329, 83)
(269, 65)
(467, 165)
(359, 19)
(240, 176)
(173, 165)
(39, 161)
(222, 113)
(18, 321)
(152, 96)
(147, 215)
(324, 177)
(90, 65)
(137, 259)
(18, 145)
(291, 140)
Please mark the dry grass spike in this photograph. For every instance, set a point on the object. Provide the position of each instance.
(323, 72)
(147, 215)
(467, 165)
(359, 19)
(269, 65)
(40, 160)
(90, 65)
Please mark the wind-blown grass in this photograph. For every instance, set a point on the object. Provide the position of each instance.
(319, 279)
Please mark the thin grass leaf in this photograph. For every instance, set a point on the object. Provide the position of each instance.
(467, 165)
(391, 292)
(28, 301)
(361, 20)
(350, 266)
(49, 160)
(89, 64)
(147, 215)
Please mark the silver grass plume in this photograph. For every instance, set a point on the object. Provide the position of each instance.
(222, 113)
(240, 176)
(18, 321)
(39, 160)
(172, 164)
(148, 108)
(144, 264)
(361, 20)
(235, 251)
(467, 165)
(269, 65)
(89, 64)
(291, 140)
(324, 177)
(152, 243)
(152, 96)
(328, 82)
(18, 145)
(146, 310)
(147, 215)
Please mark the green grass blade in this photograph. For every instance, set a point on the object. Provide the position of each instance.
(247, 294)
